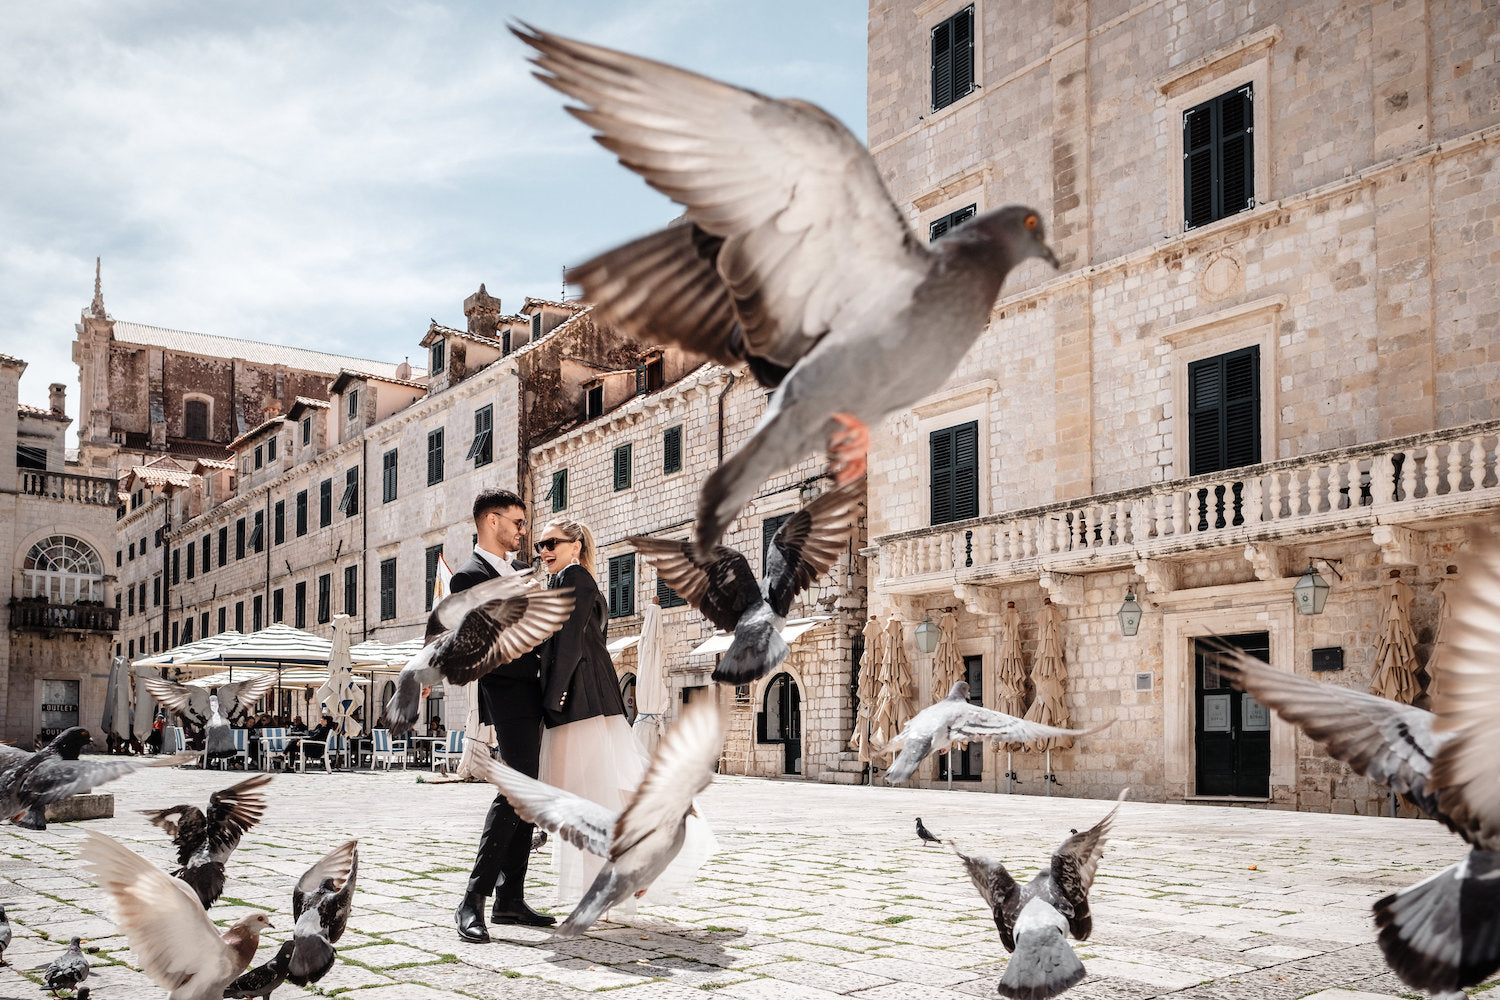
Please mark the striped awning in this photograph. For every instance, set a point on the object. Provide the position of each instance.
(396, 654)
(291, 677)
(189, 652)
(277, 645)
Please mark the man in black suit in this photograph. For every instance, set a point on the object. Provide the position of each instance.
(510, 699)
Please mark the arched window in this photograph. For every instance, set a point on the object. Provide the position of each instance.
(195, 419)
(64, 570)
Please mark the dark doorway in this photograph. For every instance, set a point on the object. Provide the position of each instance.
(627, 694)
(780, 721)
(1232, 733)
(968, 762)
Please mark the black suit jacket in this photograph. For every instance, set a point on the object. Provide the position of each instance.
(513, 690)
(580, 677)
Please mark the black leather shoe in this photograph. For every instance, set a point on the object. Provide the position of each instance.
(470, 919)
(515, 911)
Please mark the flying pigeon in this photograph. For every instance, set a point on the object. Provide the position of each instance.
(472, 632)
(791, 256)
(68, 969)
(4, 933)
(1034, 920)
(724, 588)
(174, 941)
(55, 772)
(320, 905)
(925, 835)
(261, 980)
(1442, 934)
(205, 842)
(938, 726)
(218, 713)
(639, 843)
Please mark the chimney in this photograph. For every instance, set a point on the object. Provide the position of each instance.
(57, 394)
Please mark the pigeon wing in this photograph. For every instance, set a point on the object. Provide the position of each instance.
(170, 819)
(335, 865)
(1379, 738)
(808, 544)
(55, 779)
(1073, 868)
(787, 189)
(237, 699)
(333, 910)
(11, 756)
(171, 935)
(683, 767)
(721, 587)
(499, 631)
(186, 831)
(978, 722)
(998, 890)
(451, 611)
(186, 700)
(232, 811)
(1468, 703)
(583, 823)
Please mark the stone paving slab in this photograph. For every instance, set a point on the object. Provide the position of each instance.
(819, 892)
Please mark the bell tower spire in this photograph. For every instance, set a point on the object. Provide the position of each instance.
(96, 307)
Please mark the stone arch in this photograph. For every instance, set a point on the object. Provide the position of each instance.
(61, 565)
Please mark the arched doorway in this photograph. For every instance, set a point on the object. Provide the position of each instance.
(780, 721)
(627, 692)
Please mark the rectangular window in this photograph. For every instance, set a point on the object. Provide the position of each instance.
(622, 586)
(131, 646)
(119, 561)
(353, 399)
(187, 629)
(388, 476)
(278, 605)
(667, 597)
(940, 227)
(387, 589)
(301, 513)
(505, 341)
(130, 601)
(299, 604)
(349, 502)
(223, 546)
(1218, 158)
(559, 491)
(176, 567)
(223, 620)
(156, 591)
(239, 538)
(141, 598)
(259, 456)
(325, 503)
(271, 450)
(671, 450)
(536, 324)
(205, 553)
(622, 467)
(434, 457)
(1224, 411)
(351, 591)
(649, 375)
(175, 638)
(239, 616)
(257, 608)
(954, 487)
(192, 559)
(258, 533)
(768, 529)
(480, 450)
(325, 598)
(434, 556)
(593, 402)
(953, 58)
(203, 624)
(132, 551)
(278, 522)
(439, 356)
(307, 430)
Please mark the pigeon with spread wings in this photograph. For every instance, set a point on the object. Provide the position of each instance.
(724, 588)
(204, 841)
(320, 906)
(471, 633)
(1442, 934)
(1035, 920)
(639, 843)
(791, 257)
(55, 772)
(220, 713)
(938, 726)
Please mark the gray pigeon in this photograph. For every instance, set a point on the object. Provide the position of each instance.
(639, 843)
(1442, 934)
(68, 969)
(724, 588)
(218, 713)
(4, 933)
(55, 772)
(938, 726)
(205, 842)
(791, 257)
(320, 906)
(175, 943)
(1034, 920)
(260, 981)
(471, 633)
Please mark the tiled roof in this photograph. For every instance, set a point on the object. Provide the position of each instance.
(256, 431)
(215, 346)
(27, 410)
(153, 475)
(343, 378)
(10, 359)
(439, 330)
(213, 463)
(574, 305)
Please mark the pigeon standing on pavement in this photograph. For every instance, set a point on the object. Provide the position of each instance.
(4, 933)
(55, 772)
(1442, 934)
(175, 943)
(67, 970)
(925, 835)
(218, 714)
(204, 842)
(259, 982)
(791, 256)
(320, 906)
(640, 842)
(472, 632)
(725, 590)
(938, 726)
(1034, 920)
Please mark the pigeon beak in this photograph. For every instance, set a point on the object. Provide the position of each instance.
(1049, 257)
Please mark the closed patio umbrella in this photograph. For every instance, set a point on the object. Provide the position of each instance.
(116, 718)
(650, 680)
(883, 727)
(338, 691)
(902, 676)
(1010, 678)
(1396, 653)
(947, 662)
(869, 686)
(1050, 675)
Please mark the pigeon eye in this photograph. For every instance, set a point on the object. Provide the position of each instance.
(1032, 222)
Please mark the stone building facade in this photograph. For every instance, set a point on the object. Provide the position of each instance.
(1273, 340)
(57, 532)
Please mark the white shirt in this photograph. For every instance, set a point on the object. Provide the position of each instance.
(502, 564)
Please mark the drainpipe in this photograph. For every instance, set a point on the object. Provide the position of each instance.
(523, 438)
(729, 384)
(166, 570)
(364, 536)
(267, 539)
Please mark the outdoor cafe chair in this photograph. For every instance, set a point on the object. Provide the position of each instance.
(384, 750)
(241, 750)
(454, 752)
(272, 745)
(333, 745)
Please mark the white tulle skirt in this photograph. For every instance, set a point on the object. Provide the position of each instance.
(601, 760)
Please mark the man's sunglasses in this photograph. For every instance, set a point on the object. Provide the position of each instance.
(548, 544)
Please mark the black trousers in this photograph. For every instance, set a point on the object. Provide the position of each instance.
(505, 843)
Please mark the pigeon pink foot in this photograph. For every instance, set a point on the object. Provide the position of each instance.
(848, 449)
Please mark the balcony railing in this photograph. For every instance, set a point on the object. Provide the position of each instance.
(1390, 482)
(41, 616)
(70, 488)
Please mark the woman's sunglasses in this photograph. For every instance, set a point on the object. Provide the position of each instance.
(548, 544)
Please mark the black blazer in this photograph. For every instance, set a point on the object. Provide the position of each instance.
(512, 691)
(579, 676)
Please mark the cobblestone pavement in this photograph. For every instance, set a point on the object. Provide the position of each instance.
(817, 891)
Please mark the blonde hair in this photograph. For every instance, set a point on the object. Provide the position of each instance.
(576, 531)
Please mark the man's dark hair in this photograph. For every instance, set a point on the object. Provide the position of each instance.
(495, 499)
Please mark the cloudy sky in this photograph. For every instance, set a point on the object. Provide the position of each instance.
(332, 175)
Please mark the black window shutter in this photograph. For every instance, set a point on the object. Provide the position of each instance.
(954, 468)
(1198, 165)
(1218, 155)
(559, 492)
(622, 467)
(1224, 412)
(942, 65)
(672, 450)
(953, 58)
(1242, 408)
(768, 529)
(941, 446)
(1238, 164)
(667, 597)
(622, 586)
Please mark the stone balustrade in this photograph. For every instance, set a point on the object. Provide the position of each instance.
(69, 488)
(1392, 482)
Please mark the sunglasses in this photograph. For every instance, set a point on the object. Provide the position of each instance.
(548, 544)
